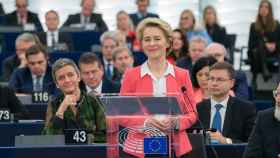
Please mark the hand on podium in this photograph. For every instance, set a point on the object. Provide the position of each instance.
(164, 123)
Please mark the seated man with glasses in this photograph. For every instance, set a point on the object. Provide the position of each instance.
(264, 141)
(230, 118)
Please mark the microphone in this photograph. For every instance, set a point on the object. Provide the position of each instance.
(204, 130)
(184, 91)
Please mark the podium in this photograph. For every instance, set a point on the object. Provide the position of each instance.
(127, 134)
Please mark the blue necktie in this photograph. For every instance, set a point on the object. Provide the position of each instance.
(217, 120)
(108, 71)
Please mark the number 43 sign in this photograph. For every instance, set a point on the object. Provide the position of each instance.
(75, 136)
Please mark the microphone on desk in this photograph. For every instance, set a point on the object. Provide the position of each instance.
(204, 130)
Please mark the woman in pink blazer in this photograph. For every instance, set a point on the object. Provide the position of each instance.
(158, 77)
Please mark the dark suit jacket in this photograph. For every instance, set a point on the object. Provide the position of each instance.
(10, 101)
(107, 86)
(9, 65)
(94, 18)
(241, 88)
(1, 9)
(239, 118)
(135, 19)
(21, 81)
(11, 19)
(63, 37)
(217, 34)
(264, 141)
(185, 63)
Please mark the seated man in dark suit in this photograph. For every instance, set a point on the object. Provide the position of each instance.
(240, 88)
(86, 17)
(22, 16)
(92, 74)
(36, 76)
(108, 44)
(18, 60)
(264, 141)
(53, 38)
(196, 50)
(11, 102)
(142, 12)
(233, 118)
(123, 59)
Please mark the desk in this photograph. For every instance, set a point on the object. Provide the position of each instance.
(37, 111)
(82, 41)
(71, 151)
(98, 151)
(226, 151)
(10, 130)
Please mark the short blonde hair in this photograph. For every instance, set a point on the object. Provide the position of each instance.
(154, 22)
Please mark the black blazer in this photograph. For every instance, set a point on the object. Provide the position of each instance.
(185, 63)
(10, 101)
(217, 34)
(94, 18)
(11, 19)
(9, 65)
(135, 19)
(63, 37)
(264, 141)
(2, 12)
(239, 118)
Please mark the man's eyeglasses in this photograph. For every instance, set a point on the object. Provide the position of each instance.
(218, 79)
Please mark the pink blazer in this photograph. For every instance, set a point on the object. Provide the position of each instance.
(133, 83)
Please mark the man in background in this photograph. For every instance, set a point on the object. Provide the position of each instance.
(22, 16)
(87, 17)
(18, 60)
(36, 76)
(123, 59)
(142, 12)
(240, 88)
(53, 38)
(92, 74)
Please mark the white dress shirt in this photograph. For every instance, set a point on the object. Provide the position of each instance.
(49, 37)
(98, 89)
(34, 78)
(222, 110)
(159, 85)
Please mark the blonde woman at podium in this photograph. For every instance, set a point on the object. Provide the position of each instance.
(158, 77)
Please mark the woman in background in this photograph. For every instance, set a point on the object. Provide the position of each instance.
(200, 77)
(125, 26)
(214, 30)
(179, 46)
(191, 27)
(264, 41)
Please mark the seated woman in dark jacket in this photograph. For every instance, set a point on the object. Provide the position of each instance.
(264, 41)
(214, 29)
(74, 109)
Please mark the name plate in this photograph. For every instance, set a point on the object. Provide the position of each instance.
(5, 115)
(29, 27)
(40, 97)
(156, 146)
(75, 136)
